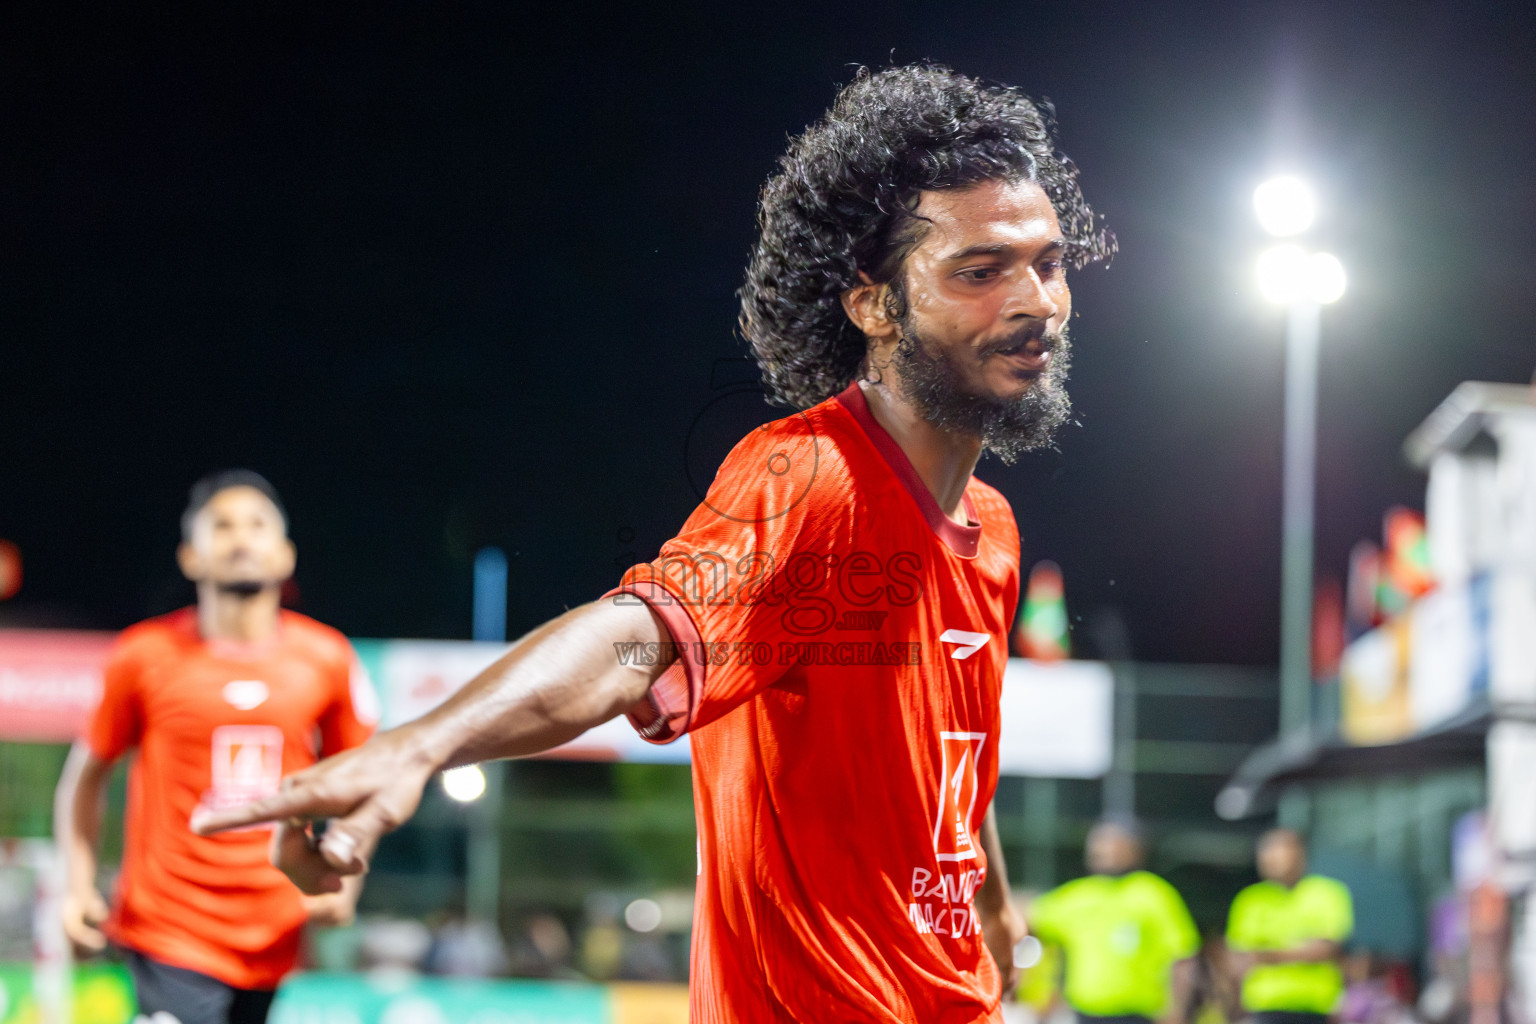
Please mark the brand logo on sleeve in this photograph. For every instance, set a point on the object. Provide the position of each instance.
(969, 642)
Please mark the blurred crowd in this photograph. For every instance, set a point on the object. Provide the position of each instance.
(1117, 946)
(644, 939)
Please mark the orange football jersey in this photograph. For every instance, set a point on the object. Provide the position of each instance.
(841, 649)
(217, 724)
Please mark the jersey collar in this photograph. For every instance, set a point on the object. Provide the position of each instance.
(962, 540)
(231, 650)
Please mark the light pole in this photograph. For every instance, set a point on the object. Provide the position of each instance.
(1303, 282)
(483, 783)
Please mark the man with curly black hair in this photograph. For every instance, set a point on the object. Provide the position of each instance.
(830, 626)
(844, 213)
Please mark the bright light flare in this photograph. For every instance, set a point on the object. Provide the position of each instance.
(1284, 206)
(464, 784)
(643, 915)
(1328, 279)
(1283, 273)
(1027, 952)
(1288, 274)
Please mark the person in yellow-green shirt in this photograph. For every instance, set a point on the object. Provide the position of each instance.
(1286, 933)
(1126, 934)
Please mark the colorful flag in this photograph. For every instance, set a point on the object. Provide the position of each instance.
(1328, 631)
(1405, 575)
(1362, 599)
(1042, 632)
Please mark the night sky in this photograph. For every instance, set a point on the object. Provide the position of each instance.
(464, 276)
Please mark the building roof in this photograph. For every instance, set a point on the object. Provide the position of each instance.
(1463, 416)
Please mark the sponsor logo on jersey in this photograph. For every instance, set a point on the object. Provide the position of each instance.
(969, 643)
(247, 765)
(957, 801)
(245, 694)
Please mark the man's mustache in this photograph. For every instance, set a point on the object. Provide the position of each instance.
(1050, 341)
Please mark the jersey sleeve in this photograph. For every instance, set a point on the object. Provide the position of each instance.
(353, 712)
(1242, 925)
(731, 586)
(1338, 912)
(117, 724)
(1045, 916)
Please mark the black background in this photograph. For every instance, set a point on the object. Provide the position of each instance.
(462, 275)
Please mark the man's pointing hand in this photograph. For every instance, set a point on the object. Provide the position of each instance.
(364, 793)
(554, 684)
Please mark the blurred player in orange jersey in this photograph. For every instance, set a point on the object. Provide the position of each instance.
(220, 702)
(830, 626)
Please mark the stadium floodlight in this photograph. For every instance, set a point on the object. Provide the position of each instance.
(1325, 277)
(1288, 274)
(465, 784)
(1284, 206)
(1303, 282)
(1283, 273)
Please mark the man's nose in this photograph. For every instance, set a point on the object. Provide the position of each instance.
(1029, 299)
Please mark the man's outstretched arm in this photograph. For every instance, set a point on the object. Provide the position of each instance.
(553, 685)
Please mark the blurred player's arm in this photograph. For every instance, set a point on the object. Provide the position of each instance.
(557, 682)
(1250, 945)
(1001, 923)
(1313, 951)
(77, 806)
(1181, 989)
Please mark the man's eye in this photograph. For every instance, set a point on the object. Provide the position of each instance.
(980, 273)
(1050, 268)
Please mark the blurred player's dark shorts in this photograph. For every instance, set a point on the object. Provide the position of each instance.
(193, 998)
(1119, 1018)
(1287, 1017)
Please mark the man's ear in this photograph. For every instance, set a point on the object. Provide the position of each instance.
(186, 559)
(865, 304)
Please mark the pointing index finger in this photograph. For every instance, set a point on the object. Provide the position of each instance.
(270, 808)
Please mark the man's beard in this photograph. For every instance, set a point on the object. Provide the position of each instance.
(241, 588)
(1007, 427)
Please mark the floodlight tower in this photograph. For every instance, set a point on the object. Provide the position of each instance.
(1303, 282)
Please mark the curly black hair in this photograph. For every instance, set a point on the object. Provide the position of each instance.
(843, 201)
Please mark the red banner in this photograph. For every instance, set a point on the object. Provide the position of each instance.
(50, 681)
